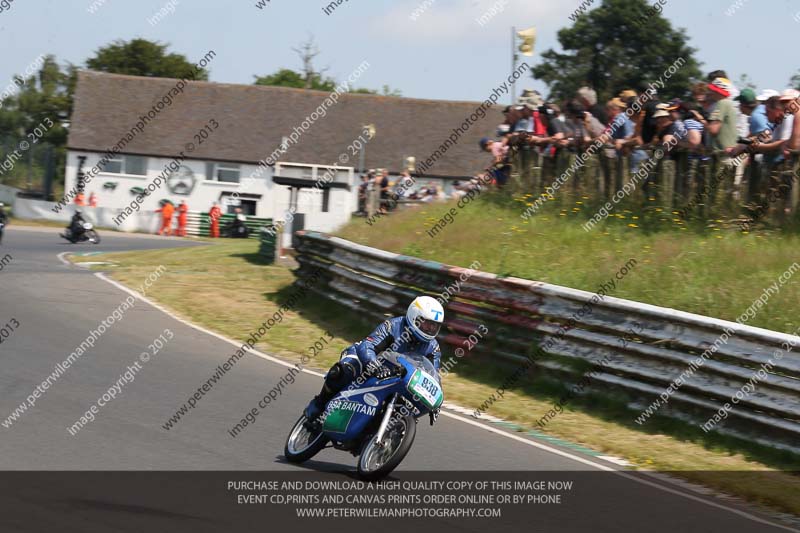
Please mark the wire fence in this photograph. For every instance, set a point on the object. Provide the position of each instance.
(26, 166)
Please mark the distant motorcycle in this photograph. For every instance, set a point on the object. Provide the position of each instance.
(237, 228)
(376, 421)
(87, 235)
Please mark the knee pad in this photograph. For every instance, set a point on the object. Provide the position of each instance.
(339, 375)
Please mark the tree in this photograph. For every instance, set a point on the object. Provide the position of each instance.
(38, 109)
(310, 78)
(289, 78)
(307, 52)
(745, 83)
(140, 57)
(795, 81)
(385, 91)
(621, 44)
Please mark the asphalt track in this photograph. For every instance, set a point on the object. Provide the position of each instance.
(56, 306)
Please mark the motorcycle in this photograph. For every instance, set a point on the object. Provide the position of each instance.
(88, 235)
(375, 421)
(237, 228)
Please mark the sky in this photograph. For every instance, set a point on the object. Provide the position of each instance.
(444, 54)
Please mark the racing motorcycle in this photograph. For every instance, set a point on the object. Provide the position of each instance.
(88, 235)
(375, 421)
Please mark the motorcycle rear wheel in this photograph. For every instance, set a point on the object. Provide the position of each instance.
(302, 445)
(376, 461)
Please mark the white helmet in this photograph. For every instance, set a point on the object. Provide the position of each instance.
(425, 316)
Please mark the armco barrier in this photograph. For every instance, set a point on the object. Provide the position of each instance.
(519, 313)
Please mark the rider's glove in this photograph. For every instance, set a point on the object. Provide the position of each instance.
(434, 415)
(377, 370)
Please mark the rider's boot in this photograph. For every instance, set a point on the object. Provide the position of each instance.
(336, 379)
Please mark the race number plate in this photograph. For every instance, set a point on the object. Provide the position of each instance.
(426, 388)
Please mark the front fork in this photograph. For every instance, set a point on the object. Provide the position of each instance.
(385, 422)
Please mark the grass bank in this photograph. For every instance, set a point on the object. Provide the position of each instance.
(715, 272)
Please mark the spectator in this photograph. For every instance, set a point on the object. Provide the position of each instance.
(362, 193)
(670, 131)
(621, 132)
(383, 183)
(531, 101)
(683, 112)
(513, 116)
(700, 111)
(757, 112)
(458, 192)
(556, 131)
(619, 128)
(584, 124)
(766, 143)
(404, 184)
(742, 122)
(722, 121)
(92, 200)
(783, 130)
(588, 99)
(699, 95)
(766, 94)
(501, 169)
(790, 99)
(714, 74)
(648, 130)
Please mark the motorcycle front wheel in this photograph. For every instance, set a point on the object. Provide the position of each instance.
(93, 236)
(302, 444)
(377, 461)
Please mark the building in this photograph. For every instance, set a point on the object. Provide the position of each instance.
(228, 143)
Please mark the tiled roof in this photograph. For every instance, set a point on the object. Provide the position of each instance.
(253, 120)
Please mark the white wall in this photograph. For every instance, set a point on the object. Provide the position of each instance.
(29, 209)
(273, 204)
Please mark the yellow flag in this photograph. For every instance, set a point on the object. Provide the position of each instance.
(528, 41)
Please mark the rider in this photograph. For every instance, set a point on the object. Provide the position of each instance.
(76, 224)
(3, 220)
(414, 333)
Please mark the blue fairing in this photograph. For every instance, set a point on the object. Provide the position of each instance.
(351, 411)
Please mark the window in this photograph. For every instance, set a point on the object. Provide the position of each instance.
(113, 166)
(126, 164)
(135, 164)
(248, 208)
(227, 172)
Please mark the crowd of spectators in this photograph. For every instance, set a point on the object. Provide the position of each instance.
(712, 117)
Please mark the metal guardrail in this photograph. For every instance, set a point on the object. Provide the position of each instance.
(519, 313)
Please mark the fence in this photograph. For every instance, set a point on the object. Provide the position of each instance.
(519, 313)
(30, 169)
(695, 184)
